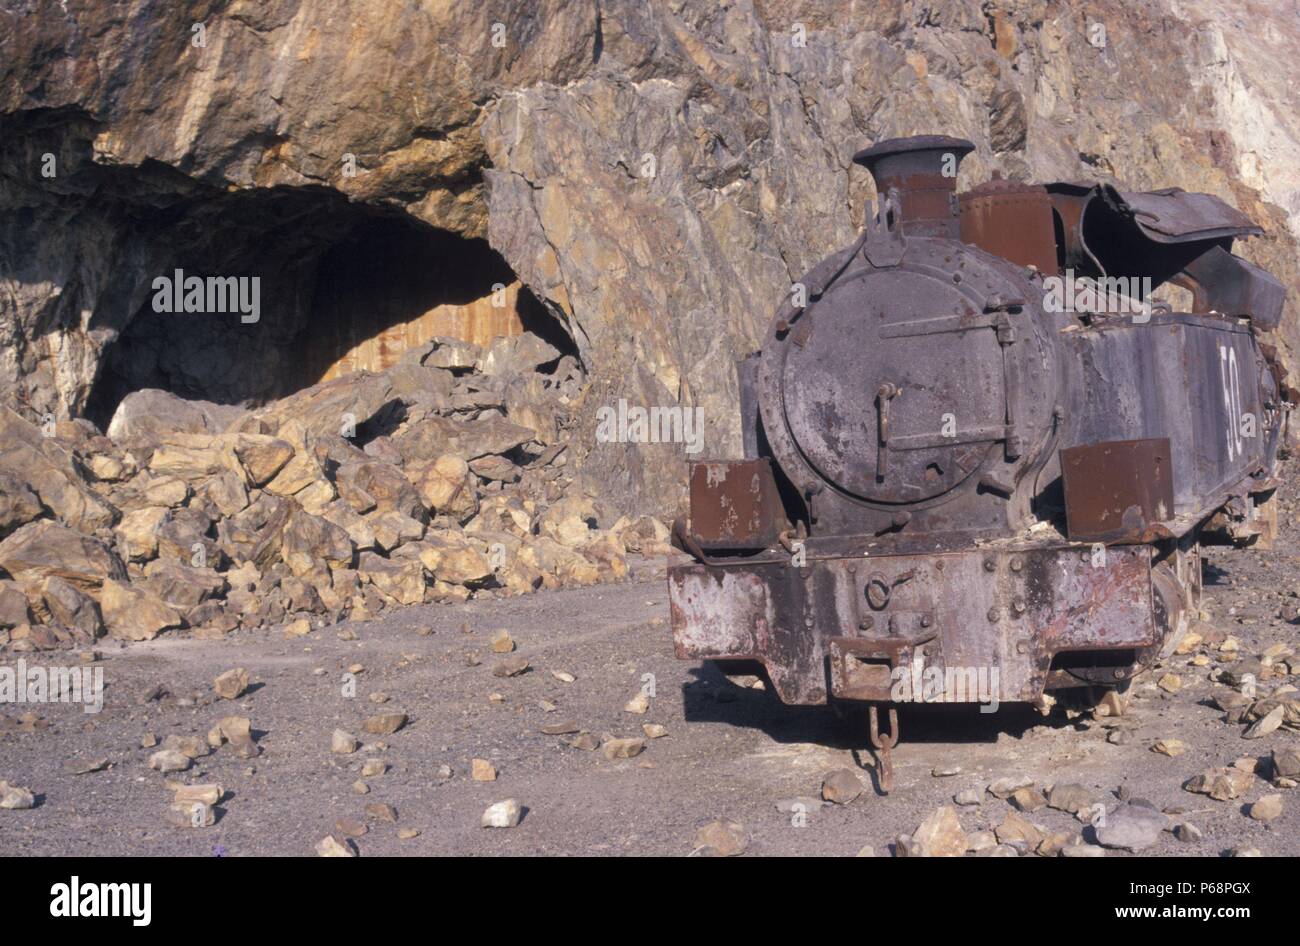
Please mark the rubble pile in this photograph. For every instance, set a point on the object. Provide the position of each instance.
(440, 479)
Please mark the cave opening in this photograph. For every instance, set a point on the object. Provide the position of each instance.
(309, 287)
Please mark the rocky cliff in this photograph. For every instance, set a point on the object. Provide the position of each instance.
(656, 172)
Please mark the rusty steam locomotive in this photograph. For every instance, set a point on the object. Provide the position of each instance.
(980, 456)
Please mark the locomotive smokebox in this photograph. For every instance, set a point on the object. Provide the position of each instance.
(921, 174)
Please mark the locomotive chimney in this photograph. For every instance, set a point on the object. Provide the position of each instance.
(922, 173)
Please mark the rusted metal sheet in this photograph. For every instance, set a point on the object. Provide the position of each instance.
(922, 173)
(972, 626)
(1173, 215)
(1117, 490)
(1224, 283)
(734, 504)
(1011, 220)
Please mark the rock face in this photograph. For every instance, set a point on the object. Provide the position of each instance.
(657, 174)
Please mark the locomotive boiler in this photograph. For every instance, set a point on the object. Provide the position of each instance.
(981, 455)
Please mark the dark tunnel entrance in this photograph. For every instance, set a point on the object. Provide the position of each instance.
(340, 288)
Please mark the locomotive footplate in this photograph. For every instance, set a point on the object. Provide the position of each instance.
(985, 625)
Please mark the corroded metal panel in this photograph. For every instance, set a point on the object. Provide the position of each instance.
(987, 622)
(1011, 220)
(1117, 490)
(734, 504)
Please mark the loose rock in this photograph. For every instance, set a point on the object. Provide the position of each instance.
(721, 838)
(384, 724)
(170, 760)
(15, 797)
(1169, 747)
(334, 846)
(231, 684)
(841, 786)
(940, 835)
(1004, 788)
(623, 748)
(503, 814)
(1221, 784)
(1267, 808)
(510, 667)
(1131, 827)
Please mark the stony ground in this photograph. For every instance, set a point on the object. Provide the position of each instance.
(730, 752)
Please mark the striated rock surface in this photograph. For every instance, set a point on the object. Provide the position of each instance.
(655, 173)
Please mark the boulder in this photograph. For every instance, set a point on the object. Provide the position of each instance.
(393, 529)
(517, 354)
(137, 532)
(469, 439)
(133, 613)
(191, 457)
(495, 469)
(262, 457)
(503, 513)
(47, 549)
(55, 600)
(447, 488)
(14, 609)
(451, 558)
(255, 534)
(41, 466)
(19, 504)
(450, 354)
(183, 538)
(332, 408)
(347, 519)
(400, 579)
(226, 492)
(182, 587)
(372, 485)
(167, 490)
(311, 540)
(148, 416)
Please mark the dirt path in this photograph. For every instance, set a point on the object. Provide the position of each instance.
(730, 751)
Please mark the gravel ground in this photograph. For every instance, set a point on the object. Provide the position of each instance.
(730, 752)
